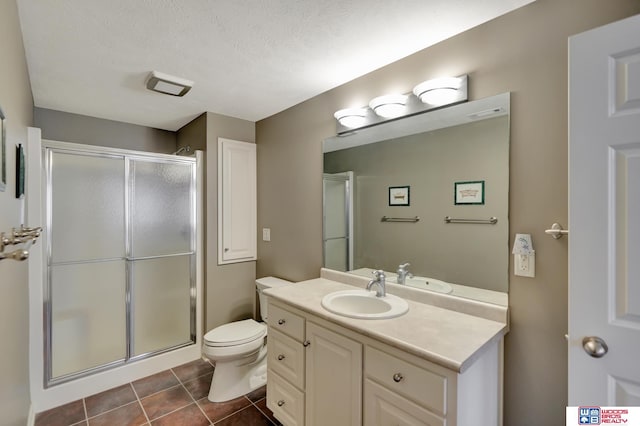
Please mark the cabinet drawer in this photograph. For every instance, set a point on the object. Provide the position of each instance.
(285, 356)
(286, 322)
(422, 386)
(286, 402)
(385, 408)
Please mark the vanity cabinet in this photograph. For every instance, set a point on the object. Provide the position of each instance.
(320, 373)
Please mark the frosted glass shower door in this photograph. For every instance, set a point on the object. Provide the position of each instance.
(87, 262)
(162, 254)
(121, 257)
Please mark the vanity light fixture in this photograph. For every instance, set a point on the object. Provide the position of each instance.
(168, 84)
(438, 91)
(389, 106)
(426, 96)
(351, 117)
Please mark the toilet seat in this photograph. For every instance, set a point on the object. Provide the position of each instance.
(235, 333)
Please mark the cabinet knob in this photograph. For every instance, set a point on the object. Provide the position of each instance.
(306, 343)
(280, 403)
(280, 357)
(226, 250)
(397, 377)
(281, 321)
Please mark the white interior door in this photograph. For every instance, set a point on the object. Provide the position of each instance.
(604, 215)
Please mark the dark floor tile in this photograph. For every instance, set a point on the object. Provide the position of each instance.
(257, 394)
(110, 399)
(199, 388)
(250, 416)
(165, 402)
(219, 410)
(262, 406)
(192, 370)
(128, 415)
(187, 416)
(156, 383)
(64, 415)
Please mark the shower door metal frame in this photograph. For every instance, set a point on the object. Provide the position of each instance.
(128, 156)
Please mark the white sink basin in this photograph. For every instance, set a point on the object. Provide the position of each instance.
(364, 304)
(429, 284)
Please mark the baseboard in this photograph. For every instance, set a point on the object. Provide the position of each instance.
(31, 420)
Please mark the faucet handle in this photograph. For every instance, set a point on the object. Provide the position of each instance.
(378, 273)
(404, 265)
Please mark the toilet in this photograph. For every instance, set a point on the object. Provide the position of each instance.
(239, 351)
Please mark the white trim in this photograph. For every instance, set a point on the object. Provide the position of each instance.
(31, 420)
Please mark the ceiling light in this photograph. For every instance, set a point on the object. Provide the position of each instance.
(168, 84)
(351, 117)
(439, 91)
(389, 106)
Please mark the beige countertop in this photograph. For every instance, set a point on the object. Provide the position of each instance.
(445, 337)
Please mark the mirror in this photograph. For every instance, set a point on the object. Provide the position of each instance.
(388, 190)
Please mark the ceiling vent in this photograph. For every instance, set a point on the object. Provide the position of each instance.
(168, 84)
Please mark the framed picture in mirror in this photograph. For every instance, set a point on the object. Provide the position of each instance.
(469, 192)
(398, 195)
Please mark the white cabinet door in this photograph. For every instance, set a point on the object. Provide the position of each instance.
(334, 379)
(237, 217)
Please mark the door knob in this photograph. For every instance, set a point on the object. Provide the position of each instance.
(595, 346)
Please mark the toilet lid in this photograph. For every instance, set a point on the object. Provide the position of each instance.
(235, 333)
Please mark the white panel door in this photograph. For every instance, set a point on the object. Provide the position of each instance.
(237, 214)
(604, 218)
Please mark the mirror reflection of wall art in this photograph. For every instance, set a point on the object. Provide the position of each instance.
(469, 192)
(19, 171)
(3, 147)
(398, 195)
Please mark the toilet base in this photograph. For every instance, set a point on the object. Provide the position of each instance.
(232, 379)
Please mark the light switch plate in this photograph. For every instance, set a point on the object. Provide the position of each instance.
(266, 234)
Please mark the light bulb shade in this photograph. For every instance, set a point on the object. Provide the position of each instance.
(389, 106)
(351, 117)
(438, 91)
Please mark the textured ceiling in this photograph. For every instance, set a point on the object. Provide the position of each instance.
(248, 58)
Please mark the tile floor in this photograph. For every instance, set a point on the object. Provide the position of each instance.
(175, 397)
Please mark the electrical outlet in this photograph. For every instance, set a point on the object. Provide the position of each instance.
(266, 234)
(524, 265)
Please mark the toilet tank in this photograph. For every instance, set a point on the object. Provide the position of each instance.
(264, 283)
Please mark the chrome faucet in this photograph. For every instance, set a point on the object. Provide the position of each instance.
(403, 273)
(379, 279)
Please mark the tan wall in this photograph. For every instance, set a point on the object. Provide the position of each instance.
(17, 104)
(524, 52)
(230, 289)
(76, 128)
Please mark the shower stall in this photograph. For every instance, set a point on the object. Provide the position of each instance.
(119, 262)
